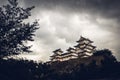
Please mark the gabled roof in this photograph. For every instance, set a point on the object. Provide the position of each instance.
(69, 49)
(90, 41)
(83, 38)
(58, 50)
(92, 46)
(67, 55)
(76, 46)
(79, 45)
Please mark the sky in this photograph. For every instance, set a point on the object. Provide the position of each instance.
(62, 22)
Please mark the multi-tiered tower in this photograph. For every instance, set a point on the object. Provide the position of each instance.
(84, 48)
(57, 55)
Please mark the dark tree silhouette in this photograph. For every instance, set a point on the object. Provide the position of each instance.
(107, 54)
(14, 31)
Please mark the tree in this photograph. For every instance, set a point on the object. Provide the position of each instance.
(107, 54)
(14, 31)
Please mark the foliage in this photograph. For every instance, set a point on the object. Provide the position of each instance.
(107, 54)
(21, 70)
(103, 52)
(14, 31)
(28, 70)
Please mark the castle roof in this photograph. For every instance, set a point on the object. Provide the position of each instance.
(79, 45)
(67, 55)
(84, 39)
(69, 49)
(92, 46)
(58, 50)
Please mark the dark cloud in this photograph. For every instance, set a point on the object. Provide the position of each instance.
(110, 8)
(63, 21)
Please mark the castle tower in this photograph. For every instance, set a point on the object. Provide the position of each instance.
(57, 55)
(84, 48)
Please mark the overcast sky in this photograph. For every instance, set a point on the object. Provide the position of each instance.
(62, 22)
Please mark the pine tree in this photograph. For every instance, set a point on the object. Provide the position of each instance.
(14, 31)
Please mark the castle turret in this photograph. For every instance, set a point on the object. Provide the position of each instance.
(57, 55)
(84, 48)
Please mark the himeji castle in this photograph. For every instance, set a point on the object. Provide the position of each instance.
(83, 49)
